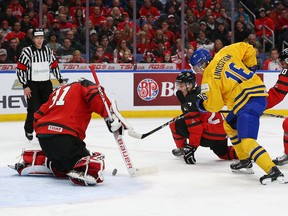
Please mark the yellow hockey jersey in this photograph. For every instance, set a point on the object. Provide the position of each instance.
(228, 81)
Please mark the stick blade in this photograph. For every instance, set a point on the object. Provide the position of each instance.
(146, 170)
(134, 134)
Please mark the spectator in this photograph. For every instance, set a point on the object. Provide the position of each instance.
(275, 14)
(216, 11)
(150, 32)
(167, 57)
(222, 34)
(147, 8)
(64, 25)
(105, 30)
(159, 37)
(27, 41)
(129, 7)
(240, 33)
(203, 41)
(56, 30)
(14, 50)
(9, 16)
(218, 45)
(99, 56)
(78, 18)
(104, 42)
(5, 28)
(74, 43)
(126, 58)
(64, 53)
(25, 23)
(96, 17)
(157, 4)
(166, 31)
(33, 21)
(17, 9)
(282, 28)
(93, 43)
(273, 62)
(148, 57)
(158, 53)
(77, 57)
(224, 18)
(192, 24)
(3, 57)
(261, 58)
(127, 32)
(254, 42)
(208, 13)
(115, 3)
(116, 15)
(211, 26)
(110, 25)
(52, 42)
(16, 32)
(173, 26)
(201, 10)
(260, 24)
(77, 6)
(240, 11)
(121, 48)
(202, 27)
(143, 42)
(45, 12)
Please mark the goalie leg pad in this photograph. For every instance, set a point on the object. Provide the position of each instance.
(88, 170)
(34, 162)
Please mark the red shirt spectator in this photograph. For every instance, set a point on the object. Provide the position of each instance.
(63, 24)
(77, 5)
(16, 33)
(17, 9)
(261, 21)
(147, 8)
(96, 17)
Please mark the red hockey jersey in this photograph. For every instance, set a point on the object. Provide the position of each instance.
(278, 92)
(69, 109)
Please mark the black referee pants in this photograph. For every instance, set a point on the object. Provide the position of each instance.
(40, 94)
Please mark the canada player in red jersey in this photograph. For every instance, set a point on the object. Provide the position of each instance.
(276, 94)
(201, 129)
(60, 126)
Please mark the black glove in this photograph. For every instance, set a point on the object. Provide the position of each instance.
(189, 157)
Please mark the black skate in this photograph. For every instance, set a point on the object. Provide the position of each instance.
(18, 167)
(242, 166)
(274, 175)
(281, 160)
(178, 152)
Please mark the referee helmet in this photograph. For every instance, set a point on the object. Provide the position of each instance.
(38, 32)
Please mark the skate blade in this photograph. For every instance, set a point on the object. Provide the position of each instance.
(12, 167)
(279, 180)
(244, 171)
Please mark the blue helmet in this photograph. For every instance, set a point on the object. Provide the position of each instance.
(200, 56)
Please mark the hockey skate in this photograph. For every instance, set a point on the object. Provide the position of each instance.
(17, 166)
(242, 166)
(178, 152)
(274, 175)
(29, 136)
(281, 160)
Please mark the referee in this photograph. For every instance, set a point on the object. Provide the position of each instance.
(33, 72)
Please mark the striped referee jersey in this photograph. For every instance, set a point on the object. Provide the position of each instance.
(35, 65)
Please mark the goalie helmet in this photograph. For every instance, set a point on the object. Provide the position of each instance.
(200, 59)
(186, 77)
(284, 55)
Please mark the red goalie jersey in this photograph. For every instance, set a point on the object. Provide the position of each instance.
(73, 113)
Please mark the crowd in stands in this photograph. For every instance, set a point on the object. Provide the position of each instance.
(158, 28)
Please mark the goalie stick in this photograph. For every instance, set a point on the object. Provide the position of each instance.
(118, 135)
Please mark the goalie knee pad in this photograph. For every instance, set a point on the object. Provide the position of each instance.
(34, 162)
(88, 170)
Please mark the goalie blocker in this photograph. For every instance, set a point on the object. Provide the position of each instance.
(87, 171)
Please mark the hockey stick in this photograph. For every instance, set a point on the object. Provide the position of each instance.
(119, 139)
(263, 114)
(136, 135)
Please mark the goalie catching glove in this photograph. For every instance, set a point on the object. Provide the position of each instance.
(113, 125)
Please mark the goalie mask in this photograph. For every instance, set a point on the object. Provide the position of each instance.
(200, 60)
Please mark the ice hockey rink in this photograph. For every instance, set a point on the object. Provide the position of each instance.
(207, 188)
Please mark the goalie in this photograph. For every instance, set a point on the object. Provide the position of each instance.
(201, 129)
(60, 126)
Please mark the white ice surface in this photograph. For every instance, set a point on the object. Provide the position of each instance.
(207, 188)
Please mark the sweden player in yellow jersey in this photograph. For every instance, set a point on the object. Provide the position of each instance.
(229, 80)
